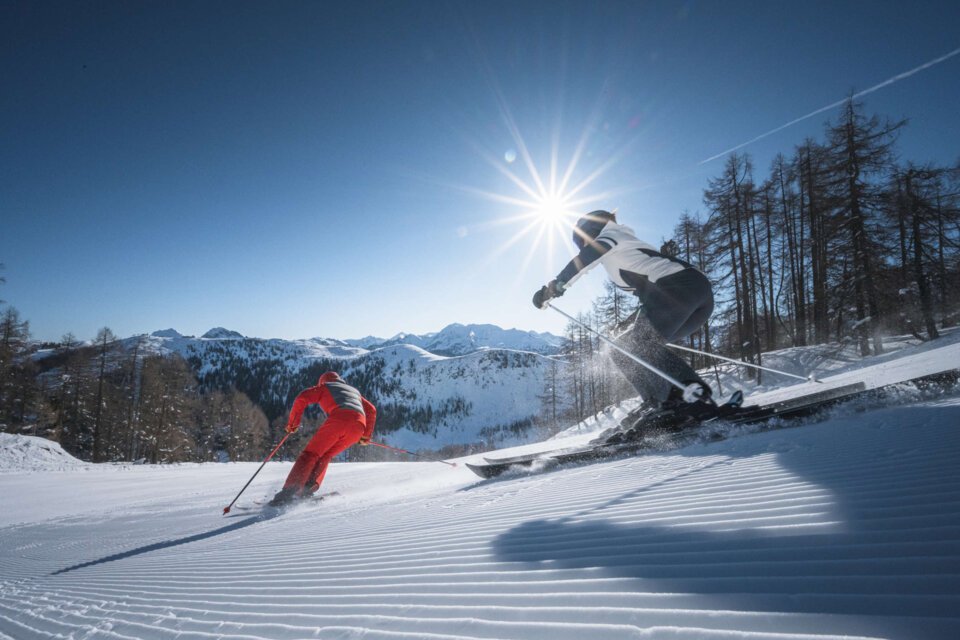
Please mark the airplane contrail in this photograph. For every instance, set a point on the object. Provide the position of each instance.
(885, 83)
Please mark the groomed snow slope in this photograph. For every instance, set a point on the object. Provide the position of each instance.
(849, 527)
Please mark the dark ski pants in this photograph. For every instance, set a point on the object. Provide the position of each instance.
(332, 438)
(673, 308)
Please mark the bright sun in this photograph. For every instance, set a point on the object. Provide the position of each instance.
(552, 210)
(545, 212)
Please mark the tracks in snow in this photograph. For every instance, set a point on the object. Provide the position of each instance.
(846, 529)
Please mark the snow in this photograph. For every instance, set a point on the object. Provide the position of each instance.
(836, 368)
(23, 454)
(846, 527)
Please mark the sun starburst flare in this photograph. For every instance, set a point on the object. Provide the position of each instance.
(543, 211)
(544, 214)
(543, 201)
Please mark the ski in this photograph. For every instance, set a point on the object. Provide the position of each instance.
(259, 505)
(647, 430)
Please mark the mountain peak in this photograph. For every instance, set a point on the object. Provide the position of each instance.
(219, 333)
(167, 333)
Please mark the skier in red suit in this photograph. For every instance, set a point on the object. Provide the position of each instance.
(350, 419)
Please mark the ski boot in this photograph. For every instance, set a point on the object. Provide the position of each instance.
(693, 403)
(732, 404)
(284, 497)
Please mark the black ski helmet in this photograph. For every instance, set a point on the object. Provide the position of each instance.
(589, 226)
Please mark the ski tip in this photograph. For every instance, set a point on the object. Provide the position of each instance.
(486, 471)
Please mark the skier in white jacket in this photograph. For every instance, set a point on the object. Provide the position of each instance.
(676, 300)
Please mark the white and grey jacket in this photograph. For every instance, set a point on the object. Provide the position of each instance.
(630, 263)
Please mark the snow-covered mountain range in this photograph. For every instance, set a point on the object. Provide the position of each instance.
(464, 385)
(459, 339)
(453, 340)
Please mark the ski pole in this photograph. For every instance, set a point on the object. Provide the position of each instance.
(226, 509)
(691, 392)
(810, 378)
(386, 446)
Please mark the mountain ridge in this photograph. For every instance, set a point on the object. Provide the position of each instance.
(466, 385)
(455, 339)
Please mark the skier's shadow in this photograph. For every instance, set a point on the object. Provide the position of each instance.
(858, 540)
(166, 544)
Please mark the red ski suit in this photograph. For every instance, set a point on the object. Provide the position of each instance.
(350, 417)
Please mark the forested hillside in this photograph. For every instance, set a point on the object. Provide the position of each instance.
(166, 397)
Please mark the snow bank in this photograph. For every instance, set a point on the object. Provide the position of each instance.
(27, 453)
(826, 360)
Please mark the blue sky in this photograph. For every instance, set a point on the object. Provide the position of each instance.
(299, 169)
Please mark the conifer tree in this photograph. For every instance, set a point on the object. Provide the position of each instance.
(859, 152)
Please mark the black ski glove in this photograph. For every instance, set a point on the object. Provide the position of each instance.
(551, 290)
